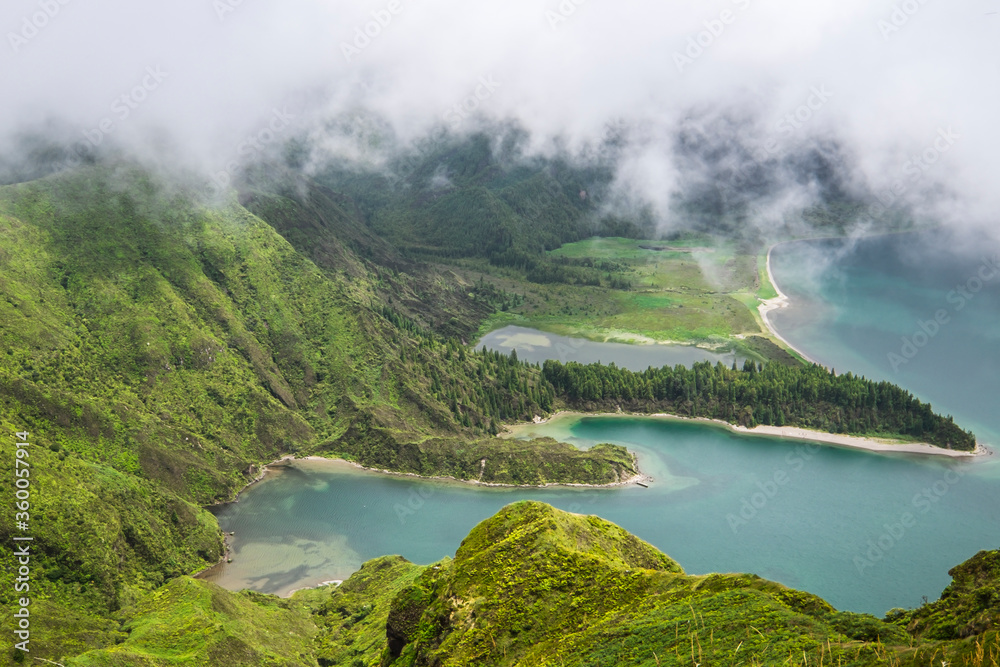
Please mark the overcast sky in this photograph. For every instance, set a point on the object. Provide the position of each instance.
(194, 78)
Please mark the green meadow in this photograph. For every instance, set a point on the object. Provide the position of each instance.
(691, 291)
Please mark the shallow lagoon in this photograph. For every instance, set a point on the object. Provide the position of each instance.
(866, 531)
(537, 346)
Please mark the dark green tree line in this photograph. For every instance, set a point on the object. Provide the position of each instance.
(773, 394)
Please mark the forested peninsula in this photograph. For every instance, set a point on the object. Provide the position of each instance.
(769, 394)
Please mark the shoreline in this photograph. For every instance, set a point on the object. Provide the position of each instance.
(795, 433)
(777, 303)
(724, 344)
(633, 480)
(869, 444)
(289, 459)
(264, 469)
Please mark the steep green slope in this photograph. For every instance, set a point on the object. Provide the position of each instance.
(190, 622)
(529, 586)
(187, 344)
(352, 618)
(329, 228)
(160, 351)
(477, 197)
(533, 586)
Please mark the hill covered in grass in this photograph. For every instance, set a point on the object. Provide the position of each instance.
(534, 586)
(160, 351)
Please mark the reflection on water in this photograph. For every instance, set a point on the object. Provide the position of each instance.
(297, 550)
(537, 346)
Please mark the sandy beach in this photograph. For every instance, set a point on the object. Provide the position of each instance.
(855, 442)
(778, 302)
(786, 432)
(524, 430)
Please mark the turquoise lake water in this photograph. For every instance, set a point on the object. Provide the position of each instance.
(865, 531)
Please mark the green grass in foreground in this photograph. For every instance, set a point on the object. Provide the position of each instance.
(533, 585)
(189, 622)
(536, 586)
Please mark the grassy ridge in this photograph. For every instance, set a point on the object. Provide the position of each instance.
(532, 586)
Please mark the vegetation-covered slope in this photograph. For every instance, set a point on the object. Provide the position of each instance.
(189, 622)
(533, 586)
(474, 197)
(969, 606)
(530, 586)
(159, 352)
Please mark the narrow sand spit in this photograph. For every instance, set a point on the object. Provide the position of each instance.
(787, 432)
(778, 302)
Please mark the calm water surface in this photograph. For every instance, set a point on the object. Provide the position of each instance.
(865, 531)
(537, 346)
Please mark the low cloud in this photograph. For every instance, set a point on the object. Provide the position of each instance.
(778, 104)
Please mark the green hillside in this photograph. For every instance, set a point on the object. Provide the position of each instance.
(536, 586)
(161, 349)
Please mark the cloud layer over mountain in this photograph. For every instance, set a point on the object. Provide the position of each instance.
(898, 97)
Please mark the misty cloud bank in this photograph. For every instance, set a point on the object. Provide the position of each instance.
(767, 104)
